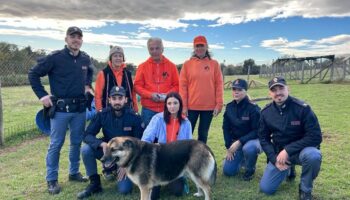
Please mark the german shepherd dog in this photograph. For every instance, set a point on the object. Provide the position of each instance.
(150, 165)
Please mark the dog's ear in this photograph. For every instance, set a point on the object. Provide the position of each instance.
(128, 144)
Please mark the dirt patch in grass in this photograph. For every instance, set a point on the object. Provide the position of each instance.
(330, 138)
(9, 149)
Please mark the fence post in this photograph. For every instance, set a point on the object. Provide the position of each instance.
(1, 120)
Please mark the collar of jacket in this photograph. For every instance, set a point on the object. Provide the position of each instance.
(244, 101)
(123, 112)
(285, 105)
(113, 69)
(68, 52)
(199, 59)
(162, 60)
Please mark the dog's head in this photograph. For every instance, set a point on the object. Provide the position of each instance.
(119, 151)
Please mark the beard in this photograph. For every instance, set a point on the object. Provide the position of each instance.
(117, 107)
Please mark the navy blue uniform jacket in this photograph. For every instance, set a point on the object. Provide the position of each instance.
(292, 126)
(240, 122)
(128, 124)
(68, 74)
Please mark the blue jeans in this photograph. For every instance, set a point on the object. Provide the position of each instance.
(146, 115)
(59, 126)
(247, 154)
(309, 158)
(205, 117)
(90, 155)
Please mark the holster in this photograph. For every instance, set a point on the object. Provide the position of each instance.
(49, 112)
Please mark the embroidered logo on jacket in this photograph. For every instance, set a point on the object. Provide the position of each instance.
(245, 118)
(127, 128)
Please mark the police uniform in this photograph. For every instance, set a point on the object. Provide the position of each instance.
(68, 75)
(241, 123)
(293, 127)
(128, 123)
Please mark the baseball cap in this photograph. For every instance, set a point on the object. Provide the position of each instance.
(278, 80)
(117, 90)
(74, 30)
(240, 84)
(200, 40)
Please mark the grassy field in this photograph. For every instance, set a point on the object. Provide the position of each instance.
(22, 166)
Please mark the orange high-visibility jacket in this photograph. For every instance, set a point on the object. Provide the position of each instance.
(201, 84)
(152, 77)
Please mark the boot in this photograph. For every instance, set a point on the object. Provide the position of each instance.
(93, 188)
(53, 187)
(304, 195)
(292, 174)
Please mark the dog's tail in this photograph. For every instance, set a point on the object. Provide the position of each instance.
(212, 178)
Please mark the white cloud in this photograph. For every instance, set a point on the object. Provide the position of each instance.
(133, 41)
(154, 14)
(246, 46)
(338, 44)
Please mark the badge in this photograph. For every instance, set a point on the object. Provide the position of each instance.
(128, 128)
(245, 118)
(295, 123)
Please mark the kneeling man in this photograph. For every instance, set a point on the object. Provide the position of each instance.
(116, 120)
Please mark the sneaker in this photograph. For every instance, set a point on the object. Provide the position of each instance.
(248, 176)
(53, 187)
(77, 177)
(304, 195)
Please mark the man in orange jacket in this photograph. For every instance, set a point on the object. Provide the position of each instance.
(154, 78)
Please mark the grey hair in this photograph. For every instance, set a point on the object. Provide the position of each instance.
(155, 39)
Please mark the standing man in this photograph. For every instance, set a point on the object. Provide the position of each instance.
(70, 76)
(289, 134)
(154, 78)
(116, 120)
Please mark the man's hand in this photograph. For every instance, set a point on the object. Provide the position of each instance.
(282, 167)
(155, 97)
(104, 146)
(121, 173)
(282, 157)
(229, 155)
(234, 146)
(46, 100)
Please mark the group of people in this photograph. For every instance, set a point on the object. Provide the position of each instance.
(287, 130)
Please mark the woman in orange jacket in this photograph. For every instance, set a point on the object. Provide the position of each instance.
(201, 87)
(114, 74)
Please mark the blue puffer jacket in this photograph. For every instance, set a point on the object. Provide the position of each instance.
(157, 129)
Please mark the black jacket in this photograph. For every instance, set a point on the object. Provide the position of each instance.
(240, 122)
(68, 74)
(129, 124)
(292, 126)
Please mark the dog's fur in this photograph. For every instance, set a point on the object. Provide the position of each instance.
(149, 165)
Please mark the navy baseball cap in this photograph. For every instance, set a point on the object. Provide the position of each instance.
(240, 84)
(74, 30)
(116, 90)
(278, 80)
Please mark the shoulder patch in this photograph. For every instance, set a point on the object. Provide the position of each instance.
(83, 53)
(299, 102)
(266, 106)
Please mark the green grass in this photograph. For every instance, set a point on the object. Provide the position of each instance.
(22, 167)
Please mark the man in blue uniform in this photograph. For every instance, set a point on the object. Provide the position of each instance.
(289, 134)
(117, 120)
(240, 127)
(70, 75)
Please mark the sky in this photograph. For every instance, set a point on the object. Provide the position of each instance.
(236, 30)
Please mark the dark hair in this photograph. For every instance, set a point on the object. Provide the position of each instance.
(207, 54)
(166, 111)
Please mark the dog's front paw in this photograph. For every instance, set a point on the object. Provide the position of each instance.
(198, 194)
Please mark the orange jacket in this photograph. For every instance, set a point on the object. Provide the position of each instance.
(201, 84)
(100, 84)
(152, 77)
